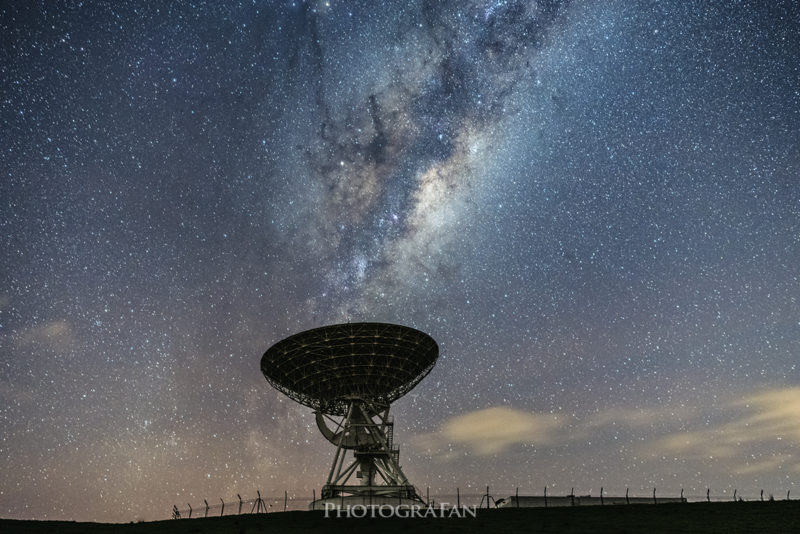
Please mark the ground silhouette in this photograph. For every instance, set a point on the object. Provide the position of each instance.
(730, 517)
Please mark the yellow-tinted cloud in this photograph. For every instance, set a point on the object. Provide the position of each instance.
(490, 431)
(778, 414)
(754, 435)
(769, 420)
(639, 417)
(763, 466)
(54, 334)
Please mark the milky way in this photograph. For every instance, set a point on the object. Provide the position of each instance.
(593, 207)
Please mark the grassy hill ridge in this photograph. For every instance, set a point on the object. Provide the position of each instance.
(774, 516)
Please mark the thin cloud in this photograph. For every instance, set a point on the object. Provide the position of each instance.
(490, 431)
(53, 334)
(639, 417)
(764, 466)
(767, 421)
(753, 435)
(778, 414)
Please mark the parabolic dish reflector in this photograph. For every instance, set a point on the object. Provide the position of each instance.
(324, 367)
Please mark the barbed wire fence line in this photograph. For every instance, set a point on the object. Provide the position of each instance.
(238, 507)
(502, 497)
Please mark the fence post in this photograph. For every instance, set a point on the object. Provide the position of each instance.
(545, 496)
(682, 499)
(734, 495)
(240, 503)
(285, 499)
(190, 510)
(259, 504)
(654, 496)
(708, 494)
(313, 498)
(428, 495)
(487, 497)
(517, 496)
(601, 496)
(787, 494)
(762, 495)
(223, 507)
(205, 501)
(458, 498)
(572, 496)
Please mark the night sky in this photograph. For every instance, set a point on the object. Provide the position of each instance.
(593, 207)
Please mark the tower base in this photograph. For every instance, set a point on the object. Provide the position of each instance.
(348, 496)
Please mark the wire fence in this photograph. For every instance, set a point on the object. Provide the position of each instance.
(491, 498)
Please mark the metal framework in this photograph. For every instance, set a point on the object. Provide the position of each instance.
(350, 374)
(324, 367)
(368, 431)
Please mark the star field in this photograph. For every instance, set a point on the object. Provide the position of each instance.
(593, 207)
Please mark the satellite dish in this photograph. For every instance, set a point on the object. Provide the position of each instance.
(349, 374)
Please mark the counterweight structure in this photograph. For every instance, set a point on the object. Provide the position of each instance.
(349, 374)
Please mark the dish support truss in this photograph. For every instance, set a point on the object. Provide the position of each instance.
(367, 430)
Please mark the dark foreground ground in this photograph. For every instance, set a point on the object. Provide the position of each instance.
(766, 517)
